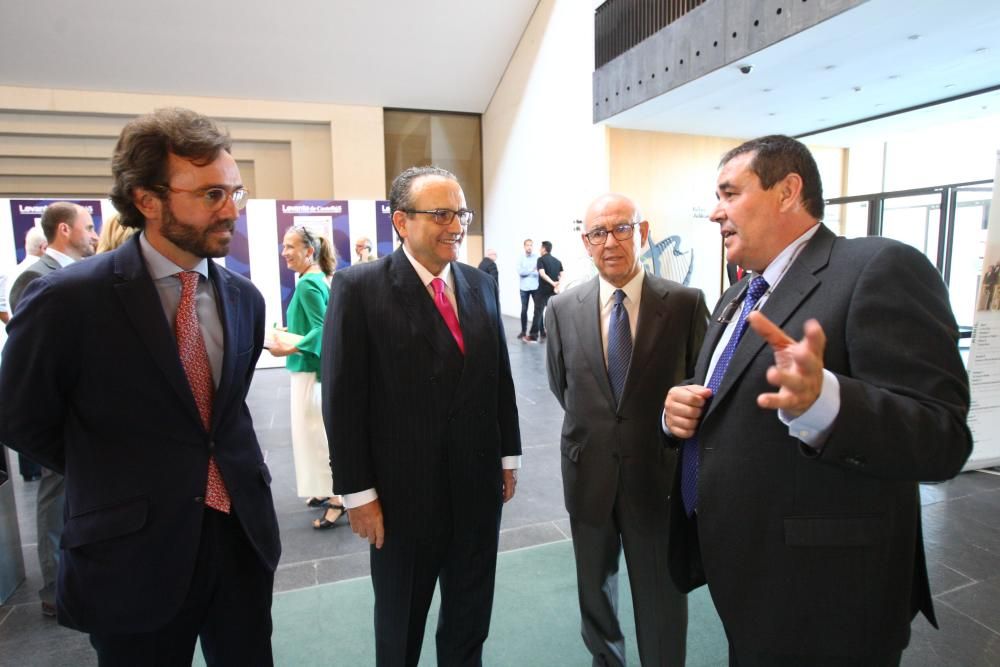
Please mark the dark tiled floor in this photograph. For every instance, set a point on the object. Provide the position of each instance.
(961, 527)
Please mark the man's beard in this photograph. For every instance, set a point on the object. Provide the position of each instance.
(195, 240)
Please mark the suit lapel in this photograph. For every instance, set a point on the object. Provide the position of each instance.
(412, 296)
(142, 306)
(652, 318)
(473, 320)
(587, 320)
(795, 286)
(228, 299)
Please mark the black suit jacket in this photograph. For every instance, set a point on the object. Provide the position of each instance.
(45, 265)
(811, 553)
(604, 443)
(489, 267)
(91, 386)
(405, 412)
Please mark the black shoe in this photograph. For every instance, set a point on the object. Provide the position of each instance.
(48, 609)
(317, 502)
(541, 336)
(520, 336)
(530, 339)
(323, 523)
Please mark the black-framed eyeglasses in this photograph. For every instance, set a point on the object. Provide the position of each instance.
(444, 216)
(622, 232)
(215, 198)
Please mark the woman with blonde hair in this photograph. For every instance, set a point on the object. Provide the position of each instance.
(113, 234)
(311, 256)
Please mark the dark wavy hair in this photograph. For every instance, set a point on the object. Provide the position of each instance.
(776, 156)
(140, 156)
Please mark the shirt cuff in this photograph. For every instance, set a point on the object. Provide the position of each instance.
(352, 500)
(813, 426)
(510, 462)
(663, 423)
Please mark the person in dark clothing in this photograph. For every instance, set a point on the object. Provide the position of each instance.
(550, 271)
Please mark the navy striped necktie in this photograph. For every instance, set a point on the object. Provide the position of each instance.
(619, 346)
(690, 454)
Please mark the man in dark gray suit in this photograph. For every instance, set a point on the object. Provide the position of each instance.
(616, 472)
(69, 232)
(419, 407)
(801, 508)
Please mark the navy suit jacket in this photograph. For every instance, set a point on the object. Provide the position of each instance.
(91, 386)
(820, 553)
(405, 412)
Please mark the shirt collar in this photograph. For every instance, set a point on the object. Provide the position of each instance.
(776, 270)
(426, 276)
(63, 259)
(632, 289)
(161, 267)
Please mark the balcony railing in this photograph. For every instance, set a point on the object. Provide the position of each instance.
(621, 24)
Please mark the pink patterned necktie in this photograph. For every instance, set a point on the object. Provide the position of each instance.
(447, 312)
(194, 358)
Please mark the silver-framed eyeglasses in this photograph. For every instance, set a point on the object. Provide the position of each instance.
(444, 216)
(215, 198)
(622, 232)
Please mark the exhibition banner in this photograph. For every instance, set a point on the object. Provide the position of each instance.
(323, 218)
(984, 354)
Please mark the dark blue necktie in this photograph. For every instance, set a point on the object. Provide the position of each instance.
(690, 454)
(619, 346)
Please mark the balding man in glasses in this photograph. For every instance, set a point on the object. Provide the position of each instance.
(128, 374)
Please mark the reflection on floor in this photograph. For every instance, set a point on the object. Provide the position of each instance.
(961, 528)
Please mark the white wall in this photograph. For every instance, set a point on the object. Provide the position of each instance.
(543, 158)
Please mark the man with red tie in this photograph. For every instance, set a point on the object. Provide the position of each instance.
(128, 374)
(419, 406)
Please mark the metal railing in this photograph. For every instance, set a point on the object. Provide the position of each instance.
(621, 24)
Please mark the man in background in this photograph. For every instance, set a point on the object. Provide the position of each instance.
(128, 373)
(489, 265)
(550, 272)
(527, 270)
(363, 250)
(422, 424)
(34, 247)
(70, 237)
(617, 343)
(802, 446)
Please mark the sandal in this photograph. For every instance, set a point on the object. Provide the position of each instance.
(317, 502)
(323, 523)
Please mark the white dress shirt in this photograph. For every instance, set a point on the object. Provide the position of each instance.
(813, 426)
(633, 296)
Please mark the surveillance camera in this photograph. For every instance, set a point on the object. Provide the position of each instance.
(746, 69)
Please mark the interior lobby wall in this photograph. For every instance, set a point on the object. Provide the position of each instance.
(543, 158)
(59, 142)
(672, 177)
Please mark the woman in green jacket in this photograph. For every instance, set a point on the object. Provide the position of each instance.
(311, 257)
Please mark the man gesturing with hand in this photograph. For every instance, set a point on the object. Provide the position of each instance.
(828, 386)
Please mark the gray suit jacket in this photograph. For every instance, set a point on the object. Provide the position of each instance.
(602, 441)
(821, 554)
(46, 264)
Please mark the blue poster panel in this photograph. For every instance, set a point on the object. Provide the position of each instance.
(26, 213)
(323, 217)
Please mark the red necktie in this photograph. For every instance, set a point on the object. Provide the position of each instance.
(447, 312)
(194, 358)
